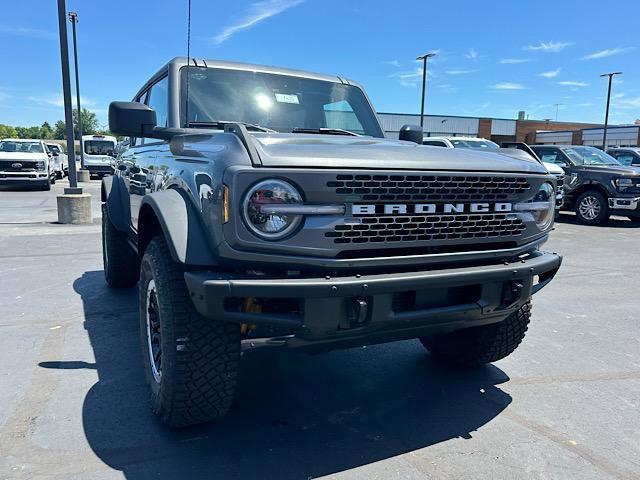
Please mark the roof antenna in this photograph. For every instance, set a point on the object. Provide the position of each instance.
(186, 107)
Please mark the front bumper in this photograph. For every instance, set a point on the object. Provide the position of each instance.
(365, 309)
(96, 169)
(23, 178)
(629, 203)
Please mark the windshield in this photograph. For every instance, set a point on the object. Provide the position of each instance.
(98, 147)
(21, 147)
(589, 156)
(280, 102)
(481, 144)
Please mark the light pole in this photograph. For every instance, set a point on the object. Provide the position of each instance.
(557, 105)
(606, 115)
(73, 18)
(66, 91)
(424, 82)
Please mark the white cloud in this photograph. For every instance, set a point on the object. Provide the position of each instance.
(628, 103)
(409, 78)
(57, 100)
(394, 63)
(573, 83)
(254, 14)
(508, 86)
(514, 61)
(26, 31)
(459, 71)
(548, 46)
(550, 73)
(607, 52)
(471, 54)
(584, 105)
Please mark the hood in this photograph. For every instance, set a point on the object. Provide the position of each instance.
(19, 156)
(334, 151)
(553, 168)
(611, 169)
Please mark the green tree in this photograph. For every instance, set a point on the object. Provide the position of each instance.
(89, 123)
(7, 131)
(59, 130)
(46, 132)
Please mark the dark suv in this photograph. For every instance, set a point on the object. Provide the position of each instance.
(596, 185)
(263, 207)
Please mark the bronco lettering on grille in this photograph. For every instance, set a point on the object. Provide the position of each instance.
(428, 208)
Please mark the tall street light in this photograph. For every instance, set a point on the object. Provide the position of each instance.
(73, 18)
(424, 59)
(66, 90)
(606, 115)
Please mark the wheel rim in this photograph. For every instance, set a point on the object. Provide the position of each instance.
(590, 207)
(153, 331)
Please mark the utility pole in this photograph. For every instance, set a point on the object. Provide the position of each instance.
(73, 18)
(557, 105)
(66, 91)
(424, 59)
(606, 115)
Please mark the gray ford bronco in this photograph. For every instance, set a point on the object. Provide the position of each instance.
(262, 207)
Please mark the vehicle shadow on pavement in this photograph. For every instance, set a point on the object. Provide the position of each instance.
(295, 417)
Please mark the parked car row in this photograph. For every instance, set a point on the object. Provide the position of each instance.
(598, 184)
(27, 162)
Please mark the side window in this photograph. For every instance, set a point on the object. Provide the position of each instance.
(550, 156)
(625, 158)
(135, 142)
(159, 101)
(434, 143)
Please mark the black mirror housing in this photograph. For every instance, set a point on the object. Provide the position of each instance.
(131, 119)
(412, 133)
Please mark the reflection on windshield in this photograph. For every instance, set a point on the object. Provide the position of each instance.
(590, 156)
(278, 102)
(21, 147)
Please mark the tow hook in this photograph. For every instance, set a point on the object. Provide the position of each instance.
(358, 309)
(511, 294)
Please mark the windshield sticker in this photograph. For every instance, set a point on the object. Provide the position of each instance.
(287, 98)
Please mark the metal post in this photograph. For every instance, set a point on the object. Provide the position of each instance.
(73, 18)
(424, 83)
(66, 91)
(606, 115)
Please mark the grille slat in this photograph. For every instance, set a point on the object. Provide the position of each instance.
(432, 227)
(417, 188)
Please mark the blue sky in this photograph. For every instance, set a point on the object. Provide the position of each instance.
(491, 61)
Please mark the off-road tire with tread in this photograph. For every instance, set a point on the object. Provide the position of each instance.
(200, 356)
(602, 217)
(121, 263)
(479, 345)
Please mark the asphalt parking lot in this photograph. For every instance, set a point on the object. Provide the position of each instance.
(73, 402)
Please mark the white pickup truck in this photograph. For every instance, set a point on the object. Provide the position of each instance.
(59, 159)
(26, 162)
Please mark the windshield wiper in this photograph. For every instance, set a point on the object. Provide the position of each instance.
(222, 123)
(325, 131)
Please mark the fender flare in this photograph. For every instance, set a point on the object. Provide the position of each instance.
(114, 194)
(181, 225)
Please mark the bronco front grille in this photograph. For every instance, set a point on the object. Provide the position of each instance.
(405, 228)
(430, 187)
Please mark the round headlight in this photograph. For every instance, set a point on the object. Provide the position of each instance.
(546, 199)
(269, 225)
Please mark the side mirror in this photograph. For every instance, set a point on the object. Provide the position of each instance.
(562, 165)
(132, 119)
(411, 133)
(54, 153)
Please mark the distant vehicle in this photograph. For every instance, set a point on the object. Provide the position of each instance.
(26, 162)
(629, 156)
(460, 142)
(99, 154)
(59, 159)
(597, 185)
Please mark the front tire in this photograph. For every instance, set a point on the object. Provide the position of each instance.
(46, 186)
(121, 263)
(479, 345)
(191, 362)
(592, 208)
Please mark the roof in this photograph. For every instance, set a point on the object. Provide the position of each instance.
(22, 139)
(212, 63)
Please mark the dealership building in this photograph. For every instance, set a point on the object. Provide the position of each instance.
(496, 129)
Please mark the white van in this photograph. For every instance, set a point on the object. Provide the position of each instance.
(99, 154)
